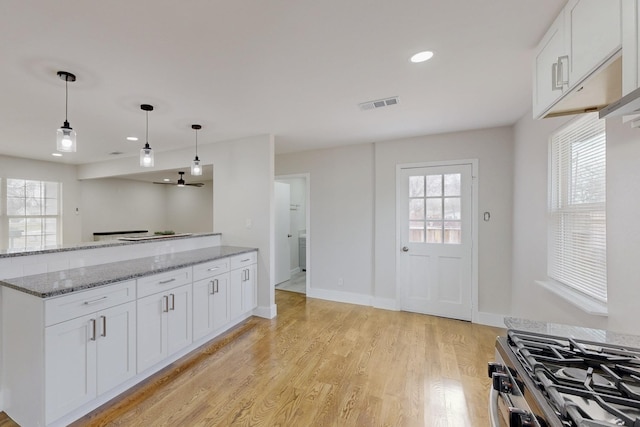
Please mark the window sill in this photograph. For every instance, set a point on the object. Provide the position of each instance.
(583, 302)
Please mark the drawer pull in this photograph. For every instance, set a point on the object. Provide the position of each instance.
(97, 300)
(164, 282)
(245, 260)
(93, 330)
(213, 269)
(104, 325)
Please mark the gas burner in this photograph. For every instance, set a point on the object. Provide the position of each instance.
(581, 375)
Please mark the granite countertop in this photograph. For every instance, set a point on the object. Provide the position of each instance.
(577, 332)
(62, 282)
(5, 253)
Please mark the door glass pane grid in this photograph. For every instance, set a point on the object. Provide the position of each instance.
(435, 210)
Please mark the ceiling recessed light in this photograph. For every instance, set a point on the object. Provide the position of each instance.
(56, 154)
(422, 56)
(132, 138)
(166, 180)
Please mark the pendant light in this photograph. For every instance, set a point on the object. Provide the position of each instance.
(196, 168)
(146, 153)
(66, 136)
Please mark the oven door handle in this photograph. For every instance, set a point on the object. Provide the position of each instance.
(520, 418)
(494, 416)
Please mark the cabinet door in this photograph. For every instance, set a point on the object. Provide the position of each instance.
(151, 334)
(630, 45)
(116, 346)
(203, 307)
(592, 33)
(249, 289)
(70, 366)
(179, 319)
(235, 292)
(221, 301)
(548, 52)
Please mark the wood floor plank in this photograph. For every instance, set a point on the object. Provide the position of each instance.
(319, 363)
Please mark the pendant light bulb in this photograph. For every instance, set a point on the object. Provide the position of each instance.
(146, 153)
(66, 136)
(196, 167)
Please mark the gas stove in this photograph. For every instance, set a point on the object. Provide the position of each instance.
(544, 380)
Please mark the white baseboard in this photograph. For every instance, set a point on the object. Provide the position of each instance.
(489, 319)
(386, 304)
(295, 271)
(266, 312)
(339, 296)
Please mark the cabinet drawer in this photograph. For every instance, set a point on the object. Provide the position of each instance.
(163, 281)
(78, 304)
(209, 269)
(242, 260)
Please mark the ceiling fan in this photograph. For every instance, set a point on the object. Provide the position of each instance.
(181, 182)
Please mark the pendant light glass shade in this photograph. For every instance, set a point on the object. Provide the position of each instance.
(146, 153)
(196, 167)
(66, 136)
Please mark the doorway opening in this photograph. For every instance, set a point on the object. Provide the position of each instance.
(292, 234)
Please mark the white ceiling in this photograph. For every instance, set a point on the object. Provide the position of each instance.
(296, 69)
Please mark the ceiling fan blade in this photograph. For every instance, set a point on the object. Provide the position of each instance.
(165, 183)
(195, 184)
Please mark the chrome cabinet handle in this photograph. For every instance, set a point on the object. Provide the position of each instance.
(93, 330)
(173, 302)
(213, 269)
(165, 304)
(245, 260)
(561, 80)
(554, 77)
(213, 289)
(215, 281)
(164, 282)
(97, 300)
(405, 249)
(104, 325)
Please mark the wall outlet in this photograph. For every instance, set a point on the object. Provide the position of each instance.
(340, 281)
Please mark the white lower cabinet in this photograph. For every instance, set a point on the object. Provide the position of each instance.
(243, 285)
(164, 325)
(87, 356)
(210, 305)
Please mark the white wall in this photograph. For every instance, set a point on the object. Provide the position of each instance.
(17, 168)
(120, 204)
(341, 215)
(530, 228)
(189, 209)
(494, 149)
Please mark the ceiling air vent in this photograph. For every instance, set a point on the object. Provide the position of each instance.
(379, 103)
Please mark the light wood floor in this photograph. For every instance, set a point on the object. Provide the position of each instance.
(320, 363)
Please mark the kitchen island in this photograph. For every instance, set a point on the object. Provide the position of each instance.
(104, 316)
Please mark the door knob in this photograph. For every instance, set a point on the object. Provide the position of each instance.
(288, 235)
(405, 249)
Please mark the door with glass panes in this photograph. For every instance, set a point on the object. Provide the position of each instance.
(434, 211)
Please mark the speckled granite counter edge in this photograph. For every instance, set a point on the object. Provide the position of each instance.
(159, 265)
(98, 244)
(577, 332)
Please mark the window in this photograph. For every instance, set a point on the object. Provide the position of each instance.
(33, 213)
(577, 207)
(435, 209)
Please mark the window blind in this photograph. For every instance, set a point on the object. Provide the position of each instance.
(577, 241)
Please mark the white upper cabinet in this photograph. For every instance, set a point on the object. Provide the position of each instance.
(593, 34)
(630, 45)
(574, 62)
(550, 67)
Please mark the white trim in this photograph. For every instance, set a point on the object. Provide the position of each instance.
(266, 312)
(340, 296)
(295, 271)
(385, 303)
(577, 299)
(489, 319)
(474, 225)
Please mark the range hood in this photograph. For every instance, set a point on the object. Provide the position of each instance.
(625, 106)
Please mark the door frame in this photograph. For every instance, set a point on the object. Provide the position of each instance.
(307, 178)
(474, 225)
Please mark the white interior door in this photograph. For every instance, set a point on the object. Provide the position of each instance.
(435, 252)
(283, 237)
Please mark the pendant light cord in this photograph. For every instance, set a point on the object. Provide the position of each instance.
(147, 131)
(66, 100)
(196, 143)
